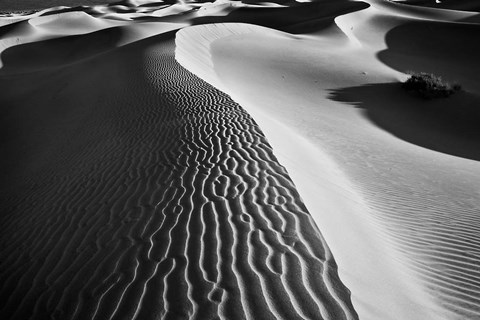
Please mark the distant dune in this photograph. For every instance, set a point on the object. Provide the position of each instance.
(20, 5)
(239, 160)
(464, 5)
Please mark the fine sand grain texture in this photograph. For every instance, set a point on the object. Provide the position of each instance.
(131, 189)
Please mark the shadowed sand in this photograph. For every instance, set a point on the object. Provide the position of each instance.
(18, 5)
(465, 5)
(132, 189)
(434, 125)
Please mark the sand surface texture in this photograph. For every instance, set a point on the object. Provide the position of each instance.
(134, 190)
(182, 160)
(392, 180)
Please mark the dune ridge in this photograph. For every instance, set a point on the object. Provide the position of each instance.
(415, 185)
(152, 196)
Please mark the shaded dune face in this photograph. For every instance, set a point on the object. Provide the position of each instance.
(434, 125)
(297, 18)
(34, 4)
(152, 195)
(443, 48)
(58, 52)
(466, 5)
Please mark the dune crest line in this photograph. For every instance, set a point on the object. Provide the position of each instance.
(161, 201)
(417, 205)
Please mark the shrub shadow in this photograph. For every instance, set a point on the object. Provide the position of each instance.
(447, 125)
(449, 50)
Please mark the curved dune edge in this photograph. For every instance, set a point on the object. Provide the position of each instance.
(135, 190)
(65, 43)
(379, 289)
(423, 270)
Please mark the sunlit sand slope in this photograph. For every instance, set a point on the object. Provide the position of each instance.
(408, 168)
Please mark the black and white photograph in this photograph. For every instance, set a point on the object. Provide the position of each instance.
(240, 160)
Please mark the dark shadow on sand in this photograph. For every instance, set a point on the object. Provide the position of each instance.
(60, 51)
(449, 125)
(16, 5)
(295, 18)
(449, 50)
(462, 5)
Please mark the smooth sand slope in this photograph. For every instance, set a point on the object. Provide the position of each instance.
(131, 189)
(391, 180)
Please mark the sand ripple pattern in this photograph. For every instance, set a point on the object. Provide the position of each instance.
(435, 231)
(167, 203)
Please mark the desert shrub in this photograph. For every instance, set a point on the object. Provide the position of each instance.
(429, 86)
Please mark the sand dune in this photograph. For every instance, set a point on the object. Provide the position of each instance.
(222, 160)
(464, 5)
(149, 195)
(415, 202)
